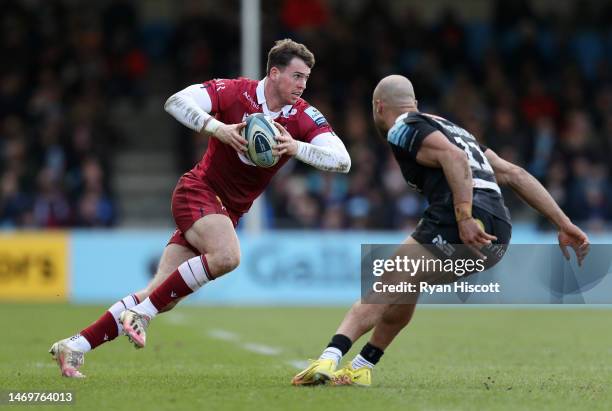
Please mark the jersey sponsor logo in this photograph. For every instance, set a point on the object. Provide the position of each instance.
(316, 116)
(251, 101)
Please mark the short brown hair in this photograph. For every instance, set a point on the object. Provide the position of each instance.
(284, 51)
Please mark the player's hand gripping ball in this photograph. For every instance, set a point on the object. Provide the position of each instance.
(260, 134)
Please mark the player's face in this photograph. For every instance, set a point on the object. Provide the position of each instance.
(291, 80)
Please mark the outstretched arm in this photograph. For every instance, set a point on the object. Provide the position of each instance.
(437, 151)
(533, 193)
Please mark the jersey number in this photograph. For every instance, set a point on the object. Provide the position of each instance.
(476, 157)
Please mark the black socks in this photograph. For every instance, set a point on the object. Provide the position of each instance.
(341, 342)
(371, 353)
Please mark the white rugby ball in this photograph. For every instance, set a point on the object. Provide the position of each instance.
(260, 134)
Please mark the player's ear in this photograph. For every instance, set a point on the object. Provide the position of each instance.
(274, 72)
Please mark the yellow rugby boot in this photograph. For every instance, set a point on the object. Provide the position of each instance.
(361, 377)
(318, 372)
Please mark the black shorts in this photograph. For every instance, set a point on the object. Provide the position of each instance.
(438, 231)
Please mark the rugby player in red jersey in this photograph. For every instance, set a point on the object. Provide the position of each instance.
(209, 200)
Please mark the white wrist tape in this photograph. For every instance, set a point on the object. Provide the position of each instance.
(211, 125)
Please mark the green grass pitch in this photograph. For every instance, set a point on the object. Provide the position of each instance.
(211, 358)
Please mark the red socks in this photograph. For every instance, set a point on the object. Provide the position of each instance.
(107, 327)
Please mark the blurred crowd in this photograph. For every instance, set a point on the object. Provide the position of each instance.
(61, 66)
(536, 87)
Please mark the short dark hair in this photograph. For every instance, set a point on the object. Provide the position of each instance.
(284, 51)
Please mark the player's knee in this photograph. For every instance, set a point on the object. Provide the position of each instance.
(224, 262)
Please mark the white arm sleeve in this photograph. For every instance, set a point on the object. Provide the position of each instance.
(190, 107)
(325, 152)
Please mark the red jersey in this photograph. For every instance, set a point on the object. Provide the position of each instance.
(233, 177)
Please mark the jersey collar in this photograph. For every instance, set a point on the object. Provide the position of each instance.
(401, 117)
(261, 99)
(398, 120)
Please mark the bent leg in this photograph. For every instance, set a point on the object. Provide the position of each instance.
(215, 237)
(393, 320)
(387, 319)
(361, 318)
(108, 326)
(173, 256)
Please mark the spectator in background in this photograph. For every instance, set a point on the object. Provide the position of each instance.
(94, 207)
(523, 102)
(14, 204)
(54, 92)
(545, 141)
(537, 84)
(51, 208)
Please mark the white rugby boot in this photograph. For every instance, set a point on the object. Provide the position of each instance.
(69, 360)
(135, 327)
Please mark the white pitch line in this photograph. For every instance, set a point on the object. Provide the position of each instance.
(255, 347)
(262, 349)
(299, 364)
(175, 318)
(223, 335)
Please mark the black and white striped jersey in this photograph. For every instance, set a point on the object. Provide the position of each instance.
(405, 139)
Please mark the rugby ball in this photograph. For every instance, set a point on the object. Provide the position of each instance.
(260, 134)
